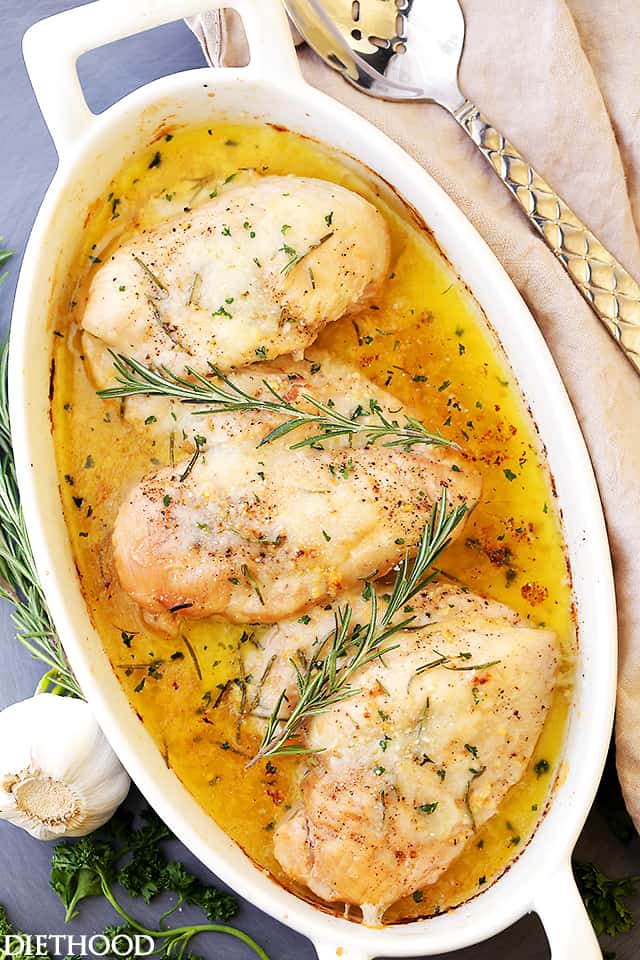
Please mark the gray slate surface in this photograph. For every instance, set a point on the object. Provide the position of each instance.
(27, 163)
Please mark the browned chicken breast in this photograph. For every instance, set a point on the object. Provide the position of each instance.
(255, 536)
(424, 755)
(252, 274)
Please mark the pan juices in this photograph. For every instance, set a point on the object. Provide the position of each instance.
(425, 341)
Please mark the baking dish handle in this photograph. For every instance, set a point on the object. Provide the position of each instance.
(565, 919)
(51, 48)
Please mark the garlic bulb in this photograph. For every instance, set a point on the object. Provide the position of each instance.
(58, 775)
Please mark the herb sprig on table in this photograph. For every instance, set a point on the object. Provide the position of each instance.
(349, 647)
(4, 256)
(605, 899)
(134, 860)
(19, 582)
(222, 395)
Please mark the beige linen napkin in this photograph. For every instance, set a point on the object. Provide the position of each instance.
(562, 81)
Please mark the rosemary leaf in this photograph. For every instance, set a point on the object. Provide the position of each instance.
(296, 258)
(149, 272)
(447, 662)
(199, 441)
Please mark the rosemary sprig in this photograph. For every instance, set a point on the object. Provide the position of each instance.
(4, 256)
(135, 378)
(327, 679)
(19, 582)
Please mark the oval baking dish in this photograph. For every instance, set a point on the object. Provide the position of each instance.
(271, 90)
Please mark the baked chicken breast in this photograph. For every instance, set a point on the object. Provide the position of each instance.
(255, 536)
(252, 274)
(423, 756)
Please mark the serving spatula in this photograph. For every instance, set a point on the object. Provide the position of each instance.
(410, 50)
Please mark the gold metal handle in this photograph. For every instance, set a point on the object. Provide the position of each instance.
(604, 283)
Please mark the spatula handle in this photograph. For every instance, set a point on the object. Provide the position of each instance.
(604, 283)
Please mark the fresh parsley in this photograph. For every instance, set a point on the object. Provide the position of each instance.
(119, 857)
(605, 899)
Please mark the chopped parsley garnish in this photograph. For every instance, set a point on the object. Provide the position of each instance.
(127, 637)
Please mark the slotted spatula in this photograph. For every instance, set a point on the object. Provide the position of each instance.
(411, 50)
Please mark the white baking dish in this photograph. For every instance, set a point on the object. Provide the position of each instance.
(91, 149)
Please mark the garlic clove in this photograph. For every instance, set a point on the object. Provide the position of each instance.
(58, 774)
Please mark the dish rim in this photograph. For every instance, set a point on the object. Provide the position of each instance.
(449, 224)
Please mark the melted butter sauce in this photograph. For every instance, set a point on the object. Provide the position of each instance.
(425, 340)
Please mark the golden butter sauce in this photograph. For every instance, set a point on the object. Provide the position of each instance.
(426, 341)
